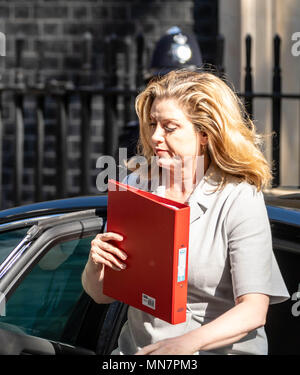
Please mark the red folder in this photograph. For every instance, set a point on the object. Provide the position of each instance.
(156, 238)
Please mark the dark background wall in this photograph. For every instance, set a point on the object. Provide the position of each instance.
(60, 26)
(53, 33)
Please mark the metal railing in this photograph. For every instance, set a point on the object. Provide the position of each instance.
(276, 97)
(62, 93)
(111, 89)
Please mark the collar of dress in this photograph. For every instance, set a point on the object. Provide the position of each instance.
(204, 194)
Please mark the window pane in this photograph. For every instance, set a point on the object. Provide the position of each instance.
(9, 240)
(43, 302)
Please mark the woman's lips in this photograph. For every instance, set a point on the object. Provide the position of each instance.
(159, 151)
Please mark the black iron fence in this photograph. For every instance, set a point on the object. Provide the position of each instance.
(276, 96)
(114, 85)
(118, 87)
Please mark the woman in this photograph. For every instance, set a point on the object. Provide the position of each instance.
(233, 275)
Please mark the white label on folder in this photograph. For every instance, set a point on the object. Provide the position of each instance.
(148, 301)
(181, 264)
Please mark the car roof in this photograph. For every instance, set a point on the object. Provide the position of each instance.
(287, 197)
(53, 207)
(281, 207)
(284, 215)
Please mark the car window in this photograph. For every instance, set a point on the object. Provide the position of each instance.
(9, 240)
(43, 302)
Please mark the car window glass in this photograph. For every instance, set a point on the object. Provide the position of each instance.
(43, 302)
(9, 240)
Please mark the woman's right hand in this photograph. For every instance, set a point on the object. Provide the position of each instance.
(103, 253)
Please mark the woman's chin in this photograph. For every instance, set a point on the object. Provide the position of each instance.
(165, 162)
(168, 163)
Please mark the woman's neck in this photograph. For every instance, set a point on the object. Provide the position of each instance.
(182, 184)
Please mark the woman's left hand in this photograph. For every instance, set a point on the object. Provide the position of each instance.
(175, 345)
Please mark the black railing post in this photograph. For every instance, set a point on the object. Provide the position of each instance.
(85, 99)
(19, 129)
(85, 125)
(248, 77)
(140, 46)
(38, 76)
(40, 126)
(19, 76)
(88, 49)
(61, 145)
(19, 149)
(110, 101)
(40, 142)
(127, 97)
(276, 111)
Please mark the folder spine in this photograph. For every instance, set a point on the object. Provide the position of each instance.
(180, 269)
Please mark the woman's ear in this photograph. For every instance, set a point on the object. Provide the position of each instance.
(203, 138)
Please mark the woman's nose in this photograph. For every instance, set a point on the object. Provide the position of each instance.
(157, 135)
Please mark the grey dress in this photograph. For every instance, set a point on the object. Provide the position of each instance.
(230, 254)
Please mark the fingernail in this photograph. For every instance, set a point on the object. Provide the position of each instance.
(123, 266)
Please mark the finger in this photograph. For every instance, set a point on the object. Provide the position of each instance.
(95, 250)
(110, 248)
(100, 260)
(147, 349)
(107, 236)
(111, 258)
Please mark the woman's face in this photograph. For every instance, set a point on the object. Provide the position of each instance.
(173, 134)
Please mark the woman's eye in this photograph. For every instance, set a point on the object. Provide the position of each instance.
(169, 129)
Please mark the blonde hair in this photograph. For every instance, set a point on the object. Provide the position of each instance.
(233, 143)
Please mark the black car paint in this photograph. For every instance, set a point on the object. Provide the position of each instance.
(281, 325)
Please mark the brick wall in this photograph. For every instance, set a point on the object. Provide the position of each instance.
(56, 29)
(60, 25)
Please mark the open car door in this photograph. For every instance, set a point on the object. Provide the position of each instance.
(44, 309)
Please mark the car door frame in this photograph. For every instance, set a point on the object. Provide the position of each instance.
(92, 315)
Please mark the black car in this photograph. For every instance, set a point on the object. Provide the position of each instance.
(283, 323)
(43, 308)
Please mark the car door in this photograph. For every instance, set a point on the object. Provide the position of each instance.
(44, 309)
(283, 323)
